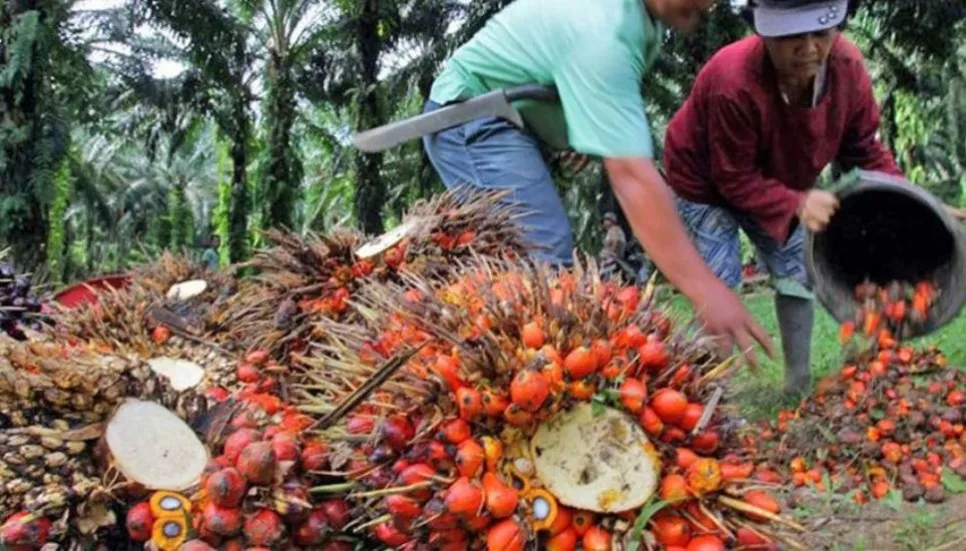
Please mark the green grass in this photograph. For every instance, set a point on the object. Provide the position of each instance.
(760, 394)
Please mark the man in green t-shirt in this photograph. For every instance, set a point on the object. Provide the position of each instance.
(596, 53)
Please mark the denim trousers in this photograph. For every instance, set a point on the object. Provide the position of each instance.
(714, 231)
(492, 154)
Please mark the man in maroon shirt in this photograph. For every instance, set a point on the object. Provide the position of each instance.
(766, 115)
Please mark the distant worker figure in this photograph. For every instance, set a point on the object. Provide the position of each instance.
(615, 243)
(765, 116)
(595, 54)
(613, 253)
(210, 258)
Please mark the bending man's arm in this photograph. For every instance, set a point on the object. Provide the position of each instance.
(650, 209)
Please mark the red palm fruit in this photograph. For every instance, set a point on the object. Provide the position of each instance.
(313, 530)
(705, 442)
(565, 540)
(360, 424)
(529, 390)
(507, 535)
(493, 451)
(582, 390)
(596, 539)
(226, 487)
(632, 394)
(653, 354)
(673, 434)
(464, 498)
(390, 535)
(397, 431)
(650, 421)
(139, 522)
(706, 542)
(684, 458)
(257, 463)
(470, 403)
(403, 506)
(314, 457)
(583, 520)
(415, 474)
(674, 487)
(692, 414)
(238, 441)
(501, 500)
(671, 530)
(563, 520)
(580, 363)
(160, 334)
(455, 431)
(286, 447)
(336, 512)
(247, 373)
(532, 335)
(470, 457)
(762, 501)
(669, 404)
(263, 527)
(494, 404)
(602, 352)
(447, 367)
(257, 357)
(195, 545)
(223, 521)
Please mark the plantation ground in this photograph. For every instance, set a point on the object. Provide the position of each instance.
(835, 523)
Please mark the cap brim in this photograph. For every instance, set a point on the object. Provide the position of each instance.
(774, 22)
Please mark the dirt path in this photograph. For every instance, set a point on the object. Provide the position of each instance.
(837, 525)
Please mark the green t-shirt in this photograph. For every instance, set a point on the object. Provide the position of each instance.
(596, 52)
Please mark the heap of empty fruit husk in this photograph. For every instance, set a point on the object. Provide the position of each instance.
(428, 390)
(890, 419)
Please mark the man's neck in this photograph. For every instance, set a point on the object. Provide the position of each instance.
(797, 90)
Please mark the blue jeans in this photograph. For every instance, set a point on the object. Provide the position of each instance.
(493, 154)
(714, 230)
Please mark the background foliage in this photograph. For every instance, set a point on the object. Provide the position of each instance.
(145, 125)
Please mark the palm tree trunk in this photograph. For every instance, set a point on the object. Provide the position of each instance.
(238, 205)
(370, 188)
(23, 226)
(282, 178)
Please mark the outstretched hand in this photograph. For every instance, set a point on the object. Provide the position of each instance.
(729, 322)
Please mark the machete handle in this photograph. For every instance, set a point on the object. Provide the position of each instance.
(532, 91)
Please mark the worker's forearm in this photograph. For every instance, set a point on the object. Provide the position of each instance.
(649, 206)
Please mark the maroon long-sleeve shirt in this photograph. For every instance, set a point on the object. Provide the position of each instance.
(736, 142)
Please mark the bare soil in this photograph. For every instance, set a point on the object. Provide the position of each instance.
(836, 524)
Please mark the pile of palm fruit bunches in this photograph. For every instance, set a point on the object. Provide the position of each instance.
(428, 389)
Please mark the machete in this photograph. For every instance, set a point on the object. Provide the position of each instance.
(497, 103)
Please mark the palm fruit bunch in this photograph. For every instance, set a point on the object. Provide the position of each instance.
(257, 491)
(41, 382)
(532, 409)
(304, 278)
(19, 306)
(892, 419)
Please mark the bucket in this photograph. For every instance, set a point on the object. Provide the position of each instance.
(86, 292)
(887, 229)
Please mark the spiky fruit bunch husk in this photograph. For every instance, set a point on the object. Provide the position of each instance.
(305, 278)
(43, 381)
(158, 276)
(891, 419)
(503, 349)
